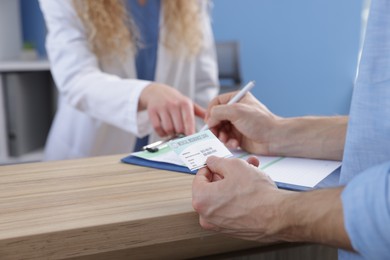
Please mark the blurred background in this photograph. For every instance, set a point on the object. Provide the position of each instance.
(302, 54)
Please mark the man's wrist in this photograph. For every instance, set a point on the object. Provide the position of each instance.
(287, 222)
(309, 137)
(315, 216)
(282, 139)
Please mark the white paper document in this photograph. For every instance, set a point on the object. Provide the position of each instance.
(295, 171)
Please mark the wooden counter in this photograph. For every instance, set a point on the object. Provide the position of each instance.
(99, 208)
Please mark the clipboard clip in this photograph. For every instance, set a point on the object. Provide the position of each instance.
(156, 146)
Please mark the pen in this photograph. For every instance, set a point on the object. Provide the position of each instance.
(156, 146)
(236, 98)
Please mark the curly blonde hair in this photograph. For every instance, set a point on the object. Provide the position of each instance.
(111, 31)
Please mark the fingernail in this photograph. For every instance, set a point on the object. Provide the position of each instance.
(231, 143)
(211, 160)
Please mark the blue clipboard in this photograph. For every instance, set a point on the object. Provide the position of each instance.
(332, 180)
(156, 165)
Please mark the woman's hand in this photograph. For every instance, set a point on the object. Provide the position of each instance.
(169, 111)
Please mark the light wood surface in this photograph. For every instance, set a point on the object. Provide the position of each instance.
(99, 208)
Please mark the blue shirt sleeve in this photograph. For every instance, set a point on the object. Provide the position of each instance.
(366, 204)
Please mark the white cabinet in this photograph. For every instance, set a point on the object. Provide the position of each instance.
(27, 103)
(10, 29)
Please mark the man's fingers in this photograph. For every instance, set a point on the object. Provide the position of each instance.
(200, 189)
(222, 113)
(219, 100)
(223, 136)
(253, 161)
(206, 225)
(204, 175)
(232, 143)
(219, 165)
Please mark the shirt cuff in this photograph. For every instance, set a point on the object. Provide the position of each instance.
(139, 120)
(366, 206)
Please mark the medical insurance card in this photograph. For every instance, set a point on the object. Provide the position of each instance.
(195, 149)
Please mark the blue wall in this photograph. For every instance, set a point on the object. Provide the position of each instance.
(33, 25)
(302, 53)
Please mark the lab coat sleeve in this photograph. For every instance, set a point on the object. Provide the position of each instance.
(207, 86)
(80, 81)
(366, 204)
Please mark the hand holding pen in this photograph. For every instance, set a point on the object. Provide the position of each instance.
(236, 98)
(247, 124)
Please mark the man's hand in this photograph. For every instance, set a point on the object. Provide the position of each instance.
(250, 125)
(247, 124)
(233, 196)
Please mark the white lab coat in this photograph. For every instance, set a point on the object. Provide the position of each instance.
(97, 108)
